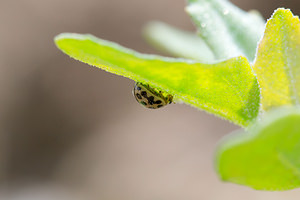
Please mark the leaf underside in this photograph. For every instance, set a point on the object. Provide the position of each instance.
(227, 89)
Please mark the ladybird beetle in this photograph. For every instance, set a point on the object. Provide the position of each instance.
(150, 98)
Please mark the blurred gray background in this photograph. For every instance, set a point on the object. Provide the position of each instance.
(70, 131)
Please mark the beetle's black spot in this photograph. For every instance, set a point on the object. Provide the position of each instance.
(158, 102)
(138, 88)
(160, 106)
(144, 103)
(138, 96)
(144, 94)
(151, 100)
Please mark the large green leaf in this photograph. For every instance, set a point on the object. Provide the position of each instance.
(228, 89)
(177, 42)
(228, 30)
(267, 157)
(277, 64)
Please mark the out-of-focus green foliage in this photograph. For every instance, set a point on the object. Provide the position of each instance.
(177, 42)
(266, 157)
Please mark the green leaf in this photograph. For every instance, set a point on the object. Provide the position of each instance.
(177, 42)
(228, 89)
(277, 65)
(267, 156)
(228, 30)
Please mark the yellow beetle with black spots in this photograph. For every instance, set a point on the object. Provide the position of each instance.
(150, 98)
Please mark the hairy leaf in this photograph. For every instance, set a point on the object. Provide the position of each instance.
(277, 64)
(228, 89)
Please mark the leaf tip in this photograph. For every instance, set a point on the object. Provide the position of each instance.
(282, 13)
(60, 37)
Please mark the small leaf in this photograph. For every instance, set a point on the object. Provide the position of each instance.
(277, 65)
(177, 42)
(228, 89)
(267, 156)
(228, 30)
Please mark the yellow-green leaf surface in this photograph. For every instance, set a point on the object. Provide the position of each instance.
(228, 30)
(267, 156)
(178, 42)
(228, 89)
(277, 65)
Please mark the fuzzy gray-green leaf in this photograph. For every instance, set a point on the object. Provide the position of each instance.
(228, 30)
